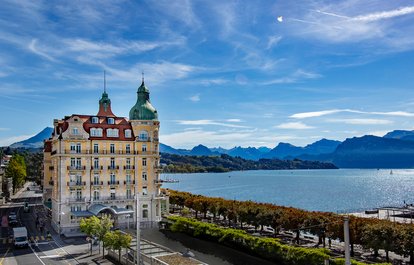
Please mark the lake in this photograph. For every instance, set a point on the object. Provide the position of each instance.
(336, 190)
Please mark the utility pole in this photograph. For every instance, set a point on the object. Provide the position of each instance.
(346, 239)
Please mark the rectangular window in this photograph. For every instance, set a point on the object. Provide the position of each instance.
(96, 163)
(75, 131)
(144, 190)
(128, 194)
(128, 179)
(96, 179)
(144, 162)
(79, 194)
(112, 193)
(95, 120)
(112, 178)
(78, 148)
(111, 121)
(128, 133)
(144, 147)
(112, 163)
(112, 148)
(72, 162)
(128, 163)
(144, 176)
(72, 148)
(78, 163)
(128, 149)
(95, 148)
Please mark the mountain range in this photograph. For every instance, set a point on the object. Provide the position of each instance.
(393, 150)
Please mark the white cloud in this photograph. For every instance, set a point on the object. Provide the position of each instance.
(313, 114)
(14, 139)
(195, 98)
(32, 47)
(234, 120)
(273, 40)
(362, 121)
(209, 122)
(4, 129)
(385, 15)
(298, 76)
(294, 126)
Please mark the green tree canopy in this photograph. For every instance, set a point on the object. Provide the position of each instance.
(16, 170)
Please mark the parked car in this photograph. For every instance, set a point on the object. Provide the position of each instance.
(13, 219)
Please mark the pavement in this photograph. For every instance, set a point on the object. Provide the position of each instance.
(42, 250)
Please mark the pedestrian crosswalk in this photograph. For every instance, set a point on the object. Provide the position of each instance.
(32, 239)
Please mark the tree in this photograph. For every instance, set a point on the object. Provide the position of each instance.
(90, 227)
(105, 226)
(116, 240)
(16, 170)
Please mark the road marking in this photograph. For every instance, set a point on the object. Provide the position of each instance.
(37, 256)
(5, 254)
(50, 256)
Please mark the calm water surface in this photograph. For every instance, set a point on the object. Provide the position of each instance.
(323, 190)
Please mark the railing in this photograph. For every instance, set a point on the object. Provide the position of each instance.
(129, 167)
(76, 183)
(76, 167)
(148, 152)
(77, 199)
(97, 168)
(113, 167)
(97, 183)
(115, 182)
(147, 139)
(115, 198)
(131, 182)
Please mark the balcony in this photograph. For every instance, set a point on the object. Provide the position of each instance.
(114, 198)
(129, 167)
(77, 199)
(51, 182)
(51, 168)
(131, 182)
(97, 168)
(76, 183)
(115, 182)
(143, 139)
(76, 152)
(97, 183)
(76, 168)
(113, 167)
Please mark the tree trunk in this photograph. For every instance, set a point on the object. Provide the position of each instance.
(91, 246)
(411, 257)
(196, 214)
(352, 250)
(103, 250)
(376, 253)
(119, 254)
(297, 236)
(387, 258)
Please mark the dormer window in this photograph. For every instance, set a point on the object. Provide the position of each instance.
(111, 121)
(112, 132)
(128, 133)
(96, 132)
(95, 120)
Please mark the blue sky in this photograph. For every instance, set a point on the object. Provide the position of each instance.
(221, 73)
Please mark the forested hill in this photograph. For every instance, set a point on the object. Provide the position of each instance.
(225, 163)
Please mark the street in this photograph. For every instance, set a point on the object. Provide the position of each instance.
(42, 250)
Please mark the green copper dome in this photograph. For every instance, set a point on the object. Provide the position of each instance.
(143, 110)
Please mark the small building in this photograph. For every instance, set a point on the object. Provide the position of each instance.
(96, 164)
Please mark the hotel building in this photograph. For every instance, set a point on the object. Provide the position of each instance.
(95, 164)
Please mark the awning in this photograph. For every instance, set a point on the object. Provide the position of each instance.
(82, 213)
(95, 209)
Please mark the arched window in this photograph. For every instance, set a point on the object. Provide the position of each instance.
(143, 136)
(96, 195)
(112, 132)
